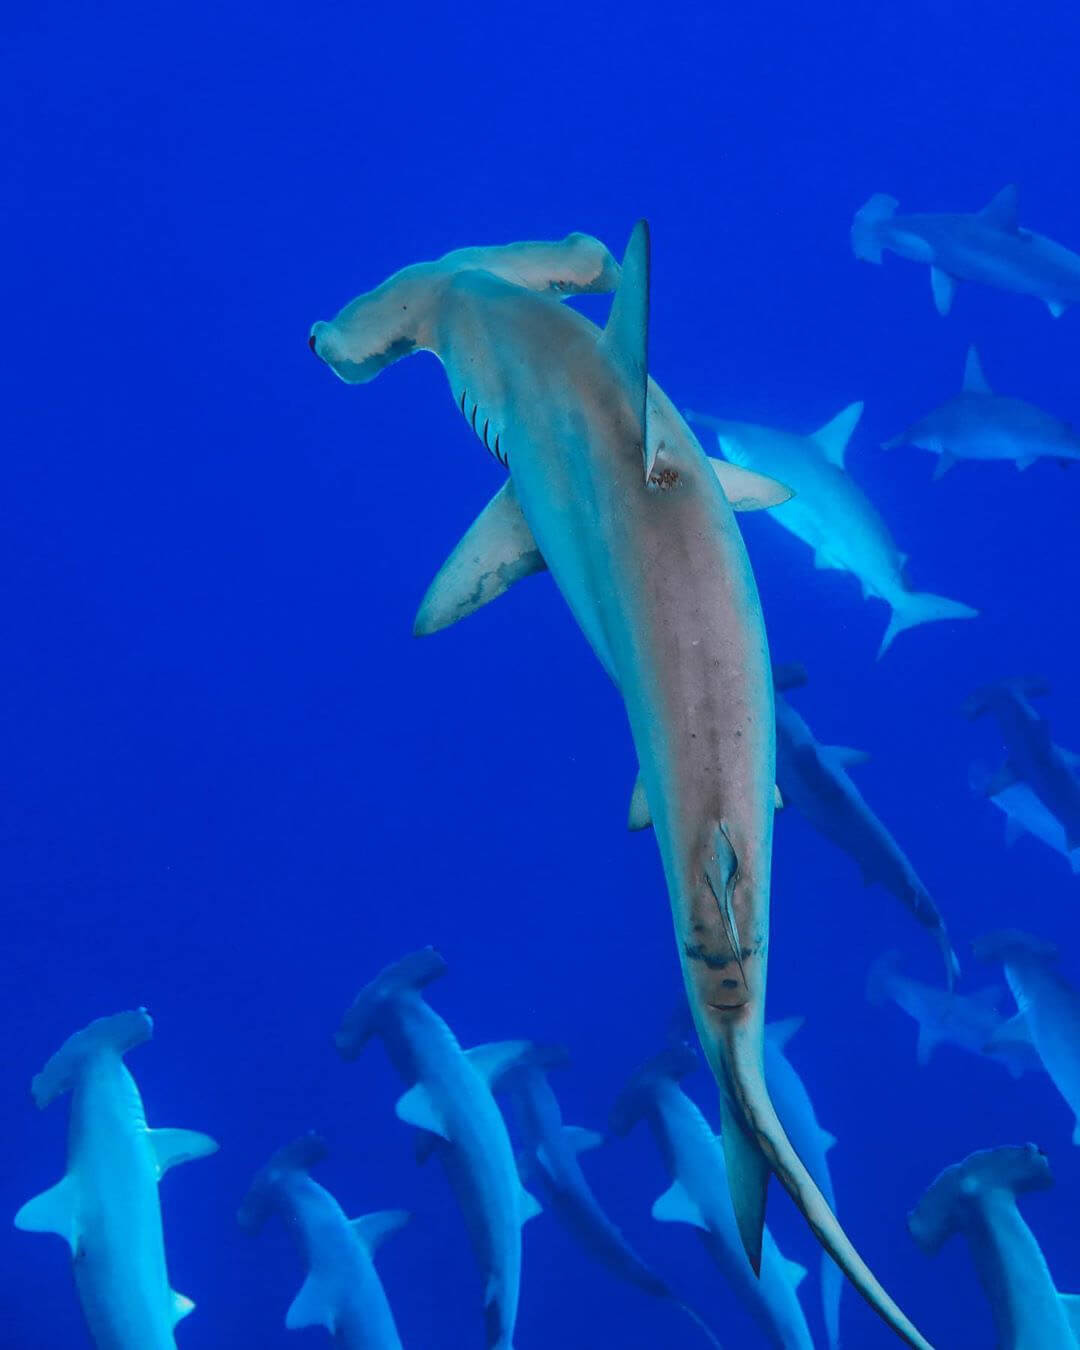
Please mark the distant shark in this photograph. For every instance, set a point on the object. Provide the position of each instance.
(796, 1110)
(978, 1199)
(989, 247)
(832, 514)
(611, 491)
(1033, 758)
(1048, 1008)
(550, 1152)
(342, 1291)
(970, 1021)
(979, 424)
(1024, 812)
(698, 1194)
(107, 1208)
(813, 778)
(451, 1101)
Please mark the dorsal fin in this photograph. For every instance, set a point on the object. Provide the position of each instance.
(1001, 211)
(626, 336)
(833, 437)
(974, 379)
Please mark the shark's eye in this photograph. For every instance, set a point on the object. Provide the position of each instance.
(311, 343)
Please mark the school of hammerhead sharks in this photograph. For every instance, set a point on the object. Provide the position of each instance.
(610, 491)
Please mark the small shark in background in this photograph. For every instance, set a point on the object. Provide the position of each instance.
(988, 246)
(451, 1100)
(342, 1291)
(550, 1152)
(1048, 1008)
(1024, 812)
(1033, 758)
(813, 778)
(107, 1207)
(610, 490)
(978, 1199)
(970, 1021)
(796, 1110)
(699, 1195)
(832, 514)
(979, 424)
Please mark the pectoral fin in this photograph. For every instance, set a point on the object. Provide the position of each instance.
(311, 1307)
(373, 1229)
(53, 1211)
(496, 550)
(746, 490)
(640, 817)
(676, 1205)
(172, 1147)
(580, 1139)
(416, 1107)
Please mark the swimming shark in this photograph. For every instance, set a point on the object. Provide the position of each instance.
(979, 424)
(699, 1194)
(796, 1110)
(831, 513)
(1048, 1008)
(970, 1021)
(1024, 812)
(451, 1100)
(550, 1152)
(813, 779)
(1033, 758)
(988, 246)
(611, 490)
(342, 1291)
(106, 1207)
(978, 1199)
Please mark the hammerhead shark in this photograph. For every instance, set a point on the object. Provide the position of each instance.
(1048, 1008)
(451, 1100)
(698, 1195)
(832, 514)
(814, 779)
(1033, 757)
(988, 246)
(106, 1207)
(979, 424)
(610, 491)
(977, 1198)
(342, 1291)
(551, 1152)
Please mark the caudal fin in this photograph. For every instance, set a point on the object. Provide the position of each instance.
(116, 1034)
(763, 1126)
(916, 607)
(866, 227)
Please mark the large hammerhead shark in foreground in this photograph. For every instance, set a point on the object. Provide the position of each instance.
(610, 490)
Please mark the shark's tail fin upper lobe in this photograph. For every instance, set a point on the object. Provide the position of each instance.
(916, 607)
(361, 1022)
(116, 1034)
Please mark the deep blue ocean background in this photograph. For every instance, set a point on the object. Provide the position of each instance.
(236, 786)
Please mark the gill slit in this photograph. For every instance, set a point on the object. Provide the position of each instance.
(495, 448)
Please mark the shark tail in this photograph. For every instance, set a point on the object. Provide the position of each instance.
(865, 234)
(760, 1128)
(116, 1034)
(832, 1287)
(361, 1022)
(916, 607)
(299, 1156)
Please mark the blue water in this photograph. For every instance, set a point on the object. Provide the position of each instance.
(236, 786)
